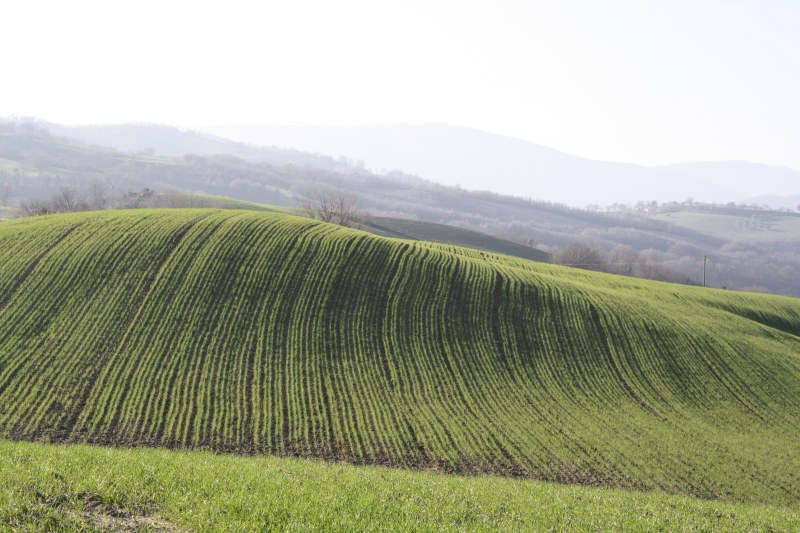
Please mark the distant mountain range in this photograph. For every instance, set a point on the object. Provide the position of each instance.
(456, 156)
(759, 184)
(777, 201)
(478, 160)
(170, 141)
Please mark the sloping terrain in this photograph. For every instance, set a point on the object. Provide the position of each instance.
(264, 333)
(47, 487)
(749, 180)
(36, 165)
(481, 160)
(420, 230)
(739, 224)
(8, 212)
(170, 142)
(395, 228)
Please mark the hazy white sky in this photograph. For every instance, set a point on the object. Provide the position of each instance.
(637, 81)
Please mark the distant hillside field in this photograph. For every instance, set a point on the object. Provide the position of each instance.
(8, 212)
(194, 200)
(255, 333)
(442, 233)
(740, 225)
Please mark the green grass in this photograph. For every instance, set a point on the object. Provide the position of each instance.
(264, 333)
(9, 212)
(744, 226)
(396, 228)
(194, 200)
(445, 234)
(47, 488)
(8, 164)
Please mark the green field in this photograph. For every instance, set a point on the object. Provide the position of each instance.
(194, 200)
(264, 333)
(396, 228)
(429, 231)
(56, 488)
(742, 226)
(9, 212)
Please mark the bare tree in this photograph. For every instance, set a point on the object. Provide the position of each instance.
(6, 194)
(98, 195)
(581, 256)
(36, 207)
(334, 206)
(174, 198)
(137, 200)
(66, 200)
(622, 260)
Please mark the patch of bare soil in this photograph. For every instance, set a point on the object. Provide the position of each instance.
(100, 515)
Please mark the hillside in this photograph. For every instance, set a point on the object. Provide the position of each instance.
(739, 224)
(419, 230)
(35, 164)
(169, 141)
(8, 212)
(395, 228)
(479, 160)
(264, 333)
(749, 180)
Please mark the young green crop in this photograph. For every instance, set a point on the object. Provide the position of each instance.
(264, 333)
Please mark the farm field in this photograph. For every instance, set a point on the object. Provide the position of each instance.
(396, 228)
(262, 333)
(8, 212)
(49, 487)
(194, 200)
(755, 226)
(443, 233)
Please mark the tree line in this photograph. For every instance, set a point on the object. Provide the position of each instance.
(44, 167)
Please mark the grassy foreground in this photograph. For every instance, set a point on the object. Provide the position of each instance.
(49, 487)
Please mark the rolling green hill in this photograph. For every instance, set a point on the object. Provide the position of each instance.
(251, 332)
(395, 228)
